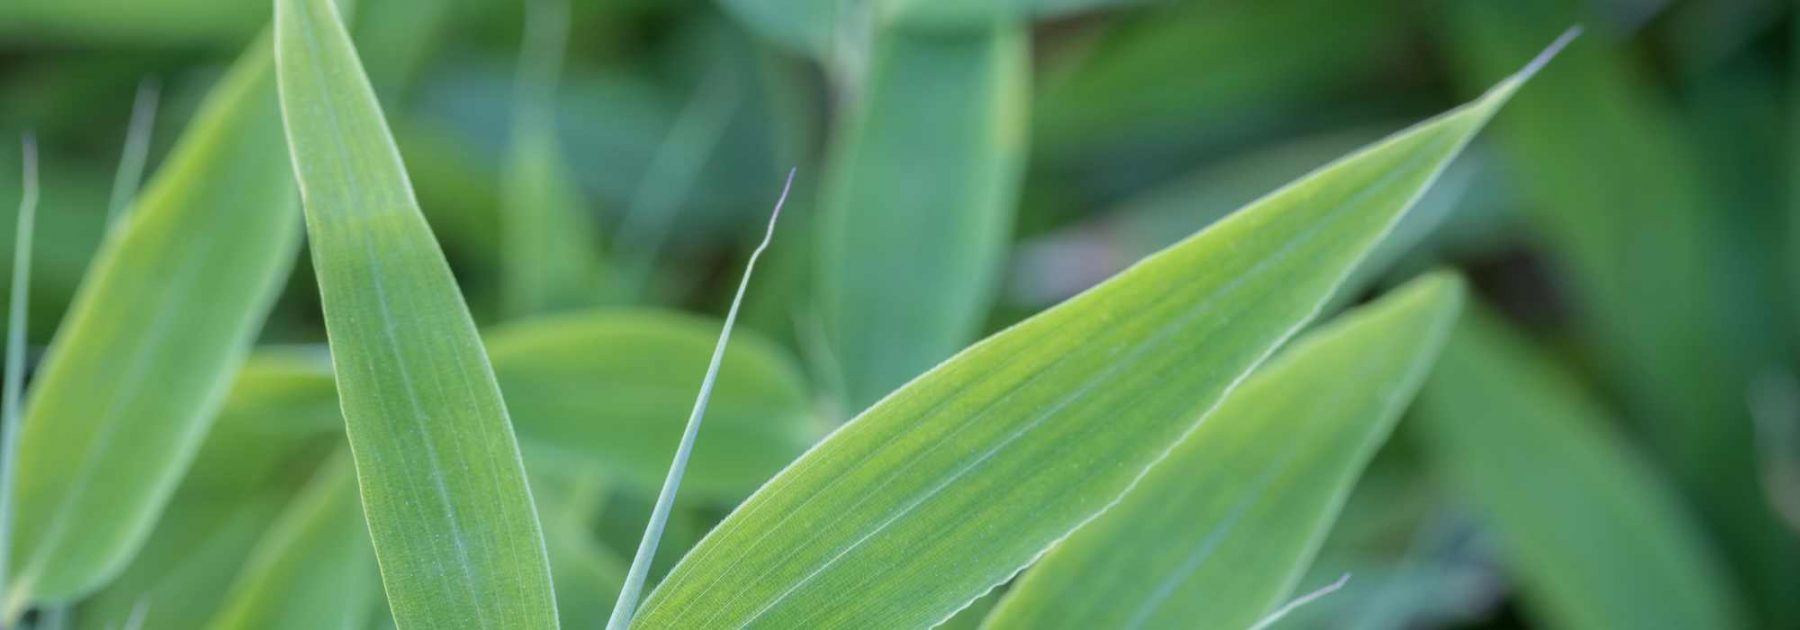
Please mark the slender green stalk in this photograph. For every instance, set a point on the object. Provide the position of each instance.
(15, 365)
(137, 149)
(659, 516)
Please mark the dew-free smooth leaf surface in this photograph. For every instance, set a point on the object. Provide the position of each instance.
(1217, 534)
(314, 567)
(918, 209)
(164, 318)
(953, 484)
(1594, 536)
(442, 483)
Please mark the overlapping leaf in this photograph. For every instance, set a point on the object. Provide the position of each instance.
(1217, 534)
(952, 484)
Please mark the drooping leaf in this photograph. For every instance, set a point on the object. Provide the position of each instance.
(1217, 534)
(313, 568)
(951, 485)
(1594, 536)
(918, 208)
(442, 483)
(162, 321)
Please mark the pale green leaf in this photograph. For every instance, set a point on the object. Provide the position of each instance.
(443, 486)
(954, 483)
(1595, 537)
(918, 209)
(313, 568)
(1218, 533)
(163, 319)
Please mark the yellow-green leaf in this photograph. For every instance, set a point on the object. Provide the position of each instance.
(957, 481)
(443, 486)
(162, 321)
(1217, 534)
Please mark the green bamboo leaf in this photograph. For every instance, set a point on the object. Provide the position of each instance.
(443, 486)
(313, 568)
(551, 259)
(918, 209)
(1594, 536)
(164, 318)
(1218, 533)
(951, 485)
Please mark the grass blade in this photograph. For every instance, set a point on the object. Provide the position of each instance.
(1217, 533)
(14, 387)
(443, 486)
(1591, 533)
(551, 259)
(951, 485)
(164, 317)
(137, 149)
(665, 500)
(314, 567)
(908, 269)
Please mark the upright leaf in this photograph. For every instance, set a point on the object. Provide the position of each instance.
(1593, 535)
(951, 485)
(550, 260)
(918, 210)
(443, 487)
(1218, 533)
(162, 321)
(313, 568)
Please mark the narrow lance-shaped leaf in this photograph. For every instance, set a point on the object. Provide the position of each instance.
(639, 571)
(443, 487)
(13, 388)
(951, 485)
(1217, 534)
(918, 208)
(1595, 538)
(313, 568)
(162, 321)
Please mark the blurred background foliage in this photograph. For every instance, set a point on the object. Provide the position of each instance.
(1629, 224)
